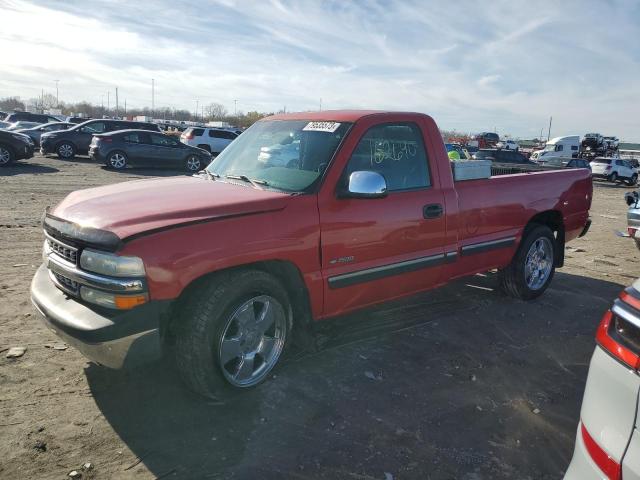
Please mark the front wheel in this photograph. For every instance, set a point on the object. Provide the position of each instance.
(66, 151)
(6, 156)
(532, 268)
(193, 164)
(232, 332)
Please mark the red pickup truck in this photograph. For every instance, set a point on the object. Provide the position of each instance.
(304, 216)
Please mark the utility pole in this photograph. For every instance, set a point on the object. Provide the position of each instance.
(320, 103)
(125, 107)
(153, 96)
(42, 101)
(108, 101)
(549, 132)
(102, 102)
(197, 105)
(57, 102)
(116, 102)
(540, 137)
(235, 108)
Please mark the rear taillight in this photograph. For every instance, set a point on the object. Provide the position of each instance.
(608, 465)
(187, 136)
(619, 331)
(105, 140)
(632, 232)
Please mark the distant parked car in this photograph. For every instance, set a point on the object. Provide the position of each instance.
(76, 140)
(567, 162)
(213, 140)
(143, 148)
(501, 156)
(614, 170)
(22, 125)
(77, 120)
(37, 131)
(508, 145)
(29, 117)
(14, 146)
(608, 440)
(633, 215)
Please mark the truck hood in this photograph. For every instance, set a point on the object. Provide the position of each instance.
(135, 207)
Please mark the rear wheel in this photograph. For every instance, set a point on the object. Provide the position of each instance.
(232, 332)
(633, 180)
(66, 151)
(613, 177)
(117, 160)
(193, 163)
(7, 156)
(532, 268)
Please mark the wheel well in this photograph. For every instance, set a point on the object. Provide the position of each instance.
(204, 146)
(290, 277)
(8, 147)
(553, 220)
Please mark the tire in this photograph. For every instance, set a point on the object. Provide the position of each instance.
(7, 157)
(212, 345)
(205, 147)
(613, 177)
(193, 164)
(66, 151)
(633, 180)
(117, 160)
(517, 280)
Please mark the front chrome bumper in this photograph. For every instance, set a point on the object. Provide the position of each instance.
(111, 338)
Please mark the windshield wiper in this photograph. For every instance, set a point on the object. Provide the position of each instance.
(255, 183)
(210, 175)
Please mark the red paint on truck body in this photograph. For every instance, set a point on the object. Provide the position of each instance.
(184, 228)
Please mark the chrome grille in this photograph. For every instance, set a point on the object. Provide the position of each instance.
(70, 254)
(65, 283)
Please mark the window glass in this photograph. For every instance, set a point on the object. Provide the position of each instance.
(574, 147)
(97, 127)
(163, 140)
(396, 151)
(132, 138)
(559, 148)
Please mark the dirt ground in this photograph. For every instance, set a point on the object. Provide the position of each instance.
(458, 383)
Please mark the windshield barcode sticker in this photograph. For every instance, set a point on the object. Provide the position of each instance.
(328, 127)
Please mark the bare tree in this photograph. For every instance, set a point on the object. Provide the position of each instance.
(215, 111)
(11, 103)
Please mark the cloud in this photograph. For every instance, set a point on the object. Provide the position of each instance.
(472, 68)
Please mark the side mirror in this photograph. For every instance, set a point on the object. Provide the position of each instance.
(366, 184)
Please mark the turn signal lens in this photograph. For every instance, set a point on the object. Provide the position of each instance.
(128, 302)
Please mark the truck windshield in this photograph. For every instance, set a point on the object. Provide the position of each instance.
(550, 147)
(288, 155)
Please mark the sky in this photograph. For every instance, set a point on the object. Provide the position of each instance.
(473, 66)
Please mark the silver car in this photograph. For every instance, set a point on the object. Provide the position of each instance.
(608, 440)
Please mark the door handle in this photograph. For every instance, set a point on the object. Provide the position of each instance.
(433, 210)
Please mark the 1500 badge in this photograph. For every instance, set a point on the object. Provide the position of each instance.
(348, 259)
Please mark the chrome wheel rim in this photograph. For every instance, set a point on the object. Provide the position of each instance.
(252, 341)
(538, 263)
(5, 156)
(193, 163)
(117, 160)
(65, 150)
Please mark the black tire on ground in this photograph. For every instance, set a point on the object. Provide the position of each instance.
(637, 243)
(633, 180)
(205, 147)
(66, 150)
(193, 164)
(117, 160)
(512, 278)
(7, 156)
(206, 312)
(613, 177)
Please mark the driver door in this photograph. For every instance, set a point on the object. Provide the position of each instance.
(375, 249)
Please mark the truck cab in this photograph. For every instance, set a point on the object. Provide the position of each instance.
(558, 147)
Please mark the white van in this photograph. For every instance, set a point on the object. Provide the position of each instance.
(564, 147)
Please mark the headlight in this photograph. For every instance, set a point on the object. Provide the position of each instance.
(112, 265)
